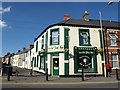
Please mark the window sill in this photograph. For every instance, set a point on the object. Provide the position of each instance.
(116, 68)
(85, 45)
(113, 46)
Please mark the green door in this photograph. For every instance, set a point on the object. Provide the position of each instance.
(55, 66)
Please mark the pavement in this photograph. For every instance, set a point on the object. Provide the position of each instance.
(24, 77)
(42, 79)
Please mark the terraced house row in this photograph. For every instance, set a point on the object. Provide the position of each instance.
(66, 47)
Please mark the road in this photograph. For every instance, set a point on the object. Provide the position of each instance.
(24, 80)
(49, 84)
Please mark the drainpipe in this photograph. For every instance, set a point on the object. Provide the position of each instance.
(106, 49)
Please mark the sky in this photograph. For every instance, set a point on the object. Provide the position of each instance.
(22, 22)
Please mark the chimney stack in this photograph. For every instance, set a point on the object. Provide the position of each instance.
(66, 17)
(8, 53)
(3, 59)
(86, 16)
(24, 48)
(18, 50)
(30, 46)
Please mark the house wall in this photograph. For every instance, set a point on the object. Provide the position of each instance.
(15, 60)
(36, 54)
(73, 41)
(111, 49)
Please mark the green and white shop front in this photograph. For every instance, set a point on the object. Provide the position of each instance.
(86, 58)
(67, 52)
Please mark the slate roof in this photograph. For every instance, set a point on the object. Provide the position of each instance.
(23, 51)
(91, 23)
(83, 23)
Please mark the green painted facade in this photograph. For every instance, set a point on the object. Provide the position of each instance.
(85, 51)
(66, 47)
(46, 47)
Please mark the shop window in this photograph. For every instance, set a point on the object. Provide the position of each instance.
(32, 61)
(85, 61)
(42, 63)
(113, 39)
(115, 62)
(35, 62)
(54, 40)
(84, 37)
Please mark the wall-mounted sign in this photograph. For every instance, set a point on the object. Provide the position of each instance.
(56, 48)
(85, 61)
(86, 52)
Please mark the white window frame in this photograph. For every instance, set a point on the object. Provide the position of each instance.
(85, 38)
(55, 37)
(115, 60)
(114, 37)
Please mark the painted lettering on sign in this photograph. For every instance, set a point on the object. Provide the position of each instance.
(56, 48)
(85, 52)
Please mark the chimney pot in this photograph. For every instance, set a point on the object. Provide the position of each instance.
(18, 50)
(30, 46)
(66, 17)
(86, 16)
(24, 48)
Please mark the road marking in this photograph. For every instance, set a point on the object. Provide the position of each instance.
(22, 83)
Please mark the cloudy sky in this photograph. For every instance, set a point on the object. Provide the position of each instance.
(22, 22)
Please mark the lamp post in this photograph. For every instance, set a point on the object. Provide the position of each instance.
(43, 51)
(101, 29)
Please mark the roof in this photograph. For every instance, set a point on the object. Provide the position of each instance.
(23, 51)
(83, 23)
(91, 23)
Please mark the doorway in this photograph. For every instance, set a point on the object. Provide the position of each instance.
(55, 65)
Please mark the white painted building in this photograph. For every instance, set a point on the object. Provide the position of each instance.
(67, 47)
(29, 57)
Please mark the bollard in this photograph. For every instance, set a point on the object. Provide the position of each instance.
(82, 74)
(1, 71)
(8, 74)
(117, 74)
(30, 72)
(47, 74)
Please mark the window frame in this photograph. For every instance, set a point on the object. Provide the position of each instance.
(35, 62)
(115, 61)
(41, 62)
(113, 39)
(42, 42)
(36, 46)
(81, 37)
(51, 37)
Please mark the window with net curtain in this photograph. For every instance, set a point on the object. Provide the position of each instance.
(113, 38)
(115, 63)
(84, 35)
(55, 37)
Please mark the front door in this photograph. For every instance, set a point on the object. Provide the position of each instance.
(55, 66)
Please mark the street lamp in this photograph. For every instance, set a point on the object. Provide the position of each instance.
(110, 2)
(101, 26)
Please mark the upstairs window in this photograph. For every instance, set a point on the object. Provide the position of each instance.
(36, 46)
(113, 39)
(84, 37)
(42, 42)
(54, 40)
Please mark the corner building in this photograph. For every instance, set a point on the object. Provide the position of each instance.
(67, 47)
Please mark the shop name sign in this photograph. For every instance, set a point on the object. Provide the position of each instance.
(85, 52)
(56, 48)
